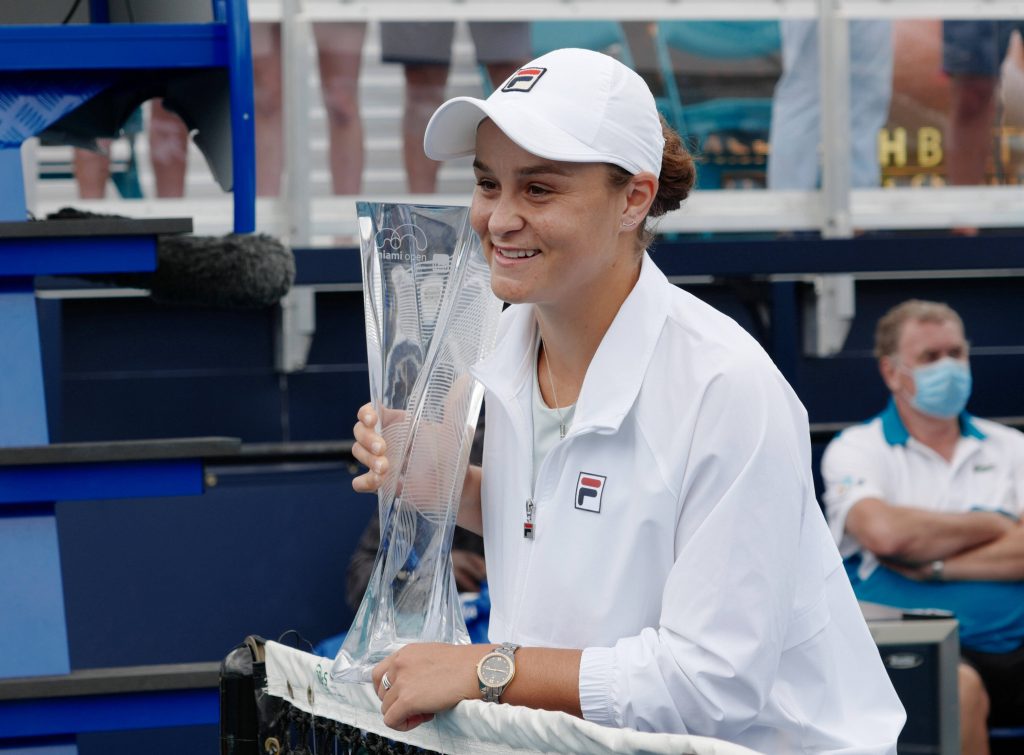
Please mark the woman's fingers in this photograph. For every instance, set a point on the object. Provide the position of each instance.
(424, 678)
(369, 449)
(377, 675)
(411, 722)
(369, 439)
(365, 456)
(367, 414)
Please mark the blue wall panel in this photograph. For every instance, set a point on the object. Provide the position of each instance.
(177, 580)
(188, 740)
(248, 406)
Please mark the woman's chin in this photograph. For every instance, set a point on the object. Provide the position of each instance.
(512, 294)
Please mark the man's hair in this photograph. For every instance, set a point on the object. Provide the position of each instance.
(887, 334)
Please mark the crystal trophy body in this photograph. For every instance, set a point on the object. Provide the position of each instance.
(430, 316)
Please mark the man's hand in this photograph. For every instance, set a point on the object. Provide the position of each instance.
(1001, 560)
(914, 535)
(916, 572)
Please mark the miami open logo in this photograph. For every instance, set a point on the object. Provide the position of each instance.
(405, 243)
(589, 491)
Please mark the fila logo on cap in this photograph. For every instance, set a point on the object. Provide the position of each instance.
(523, 80)
(589, 491)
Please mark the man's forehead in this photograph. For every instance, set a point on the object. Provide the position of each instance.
(920, 334)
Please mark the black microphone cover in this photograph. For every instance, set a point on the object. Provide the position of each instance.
(236, 271)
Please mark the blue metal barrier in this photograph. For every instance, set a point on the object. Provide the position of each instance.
(47, 73)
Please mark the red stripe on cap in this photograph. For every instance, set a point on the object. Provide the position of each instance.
(528, 71)
(590, 482)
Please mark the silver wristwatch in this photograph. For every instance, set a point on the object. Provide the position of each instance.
(495, 670)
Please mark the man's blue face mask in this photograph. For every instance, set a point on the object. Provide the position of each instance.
(942, 387)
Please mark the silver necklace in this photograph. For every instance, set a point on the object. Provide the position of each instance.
(562, 429)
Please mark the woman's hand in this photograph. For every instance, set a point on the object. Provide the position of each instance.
(426, 678)
(369, 449)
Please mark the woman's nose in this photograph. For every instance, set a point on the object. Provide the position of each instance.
(505, 217)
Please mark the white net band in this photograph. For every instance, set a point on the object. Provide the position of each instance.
(471, 728)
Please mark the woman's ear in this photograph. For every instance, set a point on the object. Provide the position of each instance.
(640, 193)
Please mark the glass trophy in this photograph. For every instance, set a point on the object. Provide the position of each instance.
(430, 316)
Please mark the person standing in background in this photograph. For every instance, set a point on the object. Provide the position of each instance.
(972, 56)
(425, 51)
(339, 56)
(795, 158)
(168, 153)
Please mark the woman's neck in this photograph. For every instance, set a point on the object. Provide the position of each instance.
(571, 332)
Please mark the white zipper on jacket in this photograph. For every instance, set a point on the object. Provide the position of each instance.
(540, 492)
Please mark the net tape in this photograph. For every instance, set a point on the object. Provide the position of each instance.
(306, 713)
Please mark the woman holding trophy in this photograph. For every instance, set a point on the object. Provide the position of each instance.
(656, 556)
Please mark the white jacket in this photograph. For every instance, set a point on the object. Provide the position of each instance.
(677, 538)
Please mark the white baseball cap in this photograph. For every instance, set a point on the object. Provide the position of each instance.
(569, 105)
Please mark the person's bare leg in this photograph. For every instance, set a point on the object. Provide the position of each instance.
(972, 111)
(969, 134)
(424, 93)
(92, 171)
(269, 120)
(974, 707)
(339, 51)
(168, 150)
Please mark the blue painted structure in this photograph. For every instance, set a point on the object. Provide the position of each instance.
(74, 715)
(93, 57)
(90, 482)
(48, 72)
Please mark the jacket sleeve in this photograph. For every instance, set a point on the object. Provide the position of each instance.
(746, 504)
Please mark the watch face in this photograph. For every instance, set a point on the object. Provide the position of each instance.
(495, 670)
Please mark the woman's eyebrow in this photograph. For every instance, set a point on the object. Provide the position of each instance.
(531, 170)
(544, 168)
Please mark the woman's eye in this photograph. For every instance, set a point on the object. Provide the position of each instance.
(536, 191)
(486, 184)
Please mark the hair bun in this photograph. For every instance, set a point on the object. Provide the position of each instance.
(678, 174)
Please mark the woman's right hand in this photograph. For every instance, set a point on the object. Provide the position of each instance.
(369, 449)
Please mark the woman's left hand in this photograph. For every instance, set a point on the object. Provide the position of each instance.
(425, 678)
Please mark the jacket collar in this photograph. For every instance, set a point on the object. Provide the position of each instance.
(617, 370)
(896, 433)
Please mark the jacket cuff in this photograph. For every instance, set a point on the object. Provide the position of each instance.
(597, 681)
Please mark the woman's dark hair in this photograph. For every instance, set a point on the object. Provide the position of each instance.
(678, 174)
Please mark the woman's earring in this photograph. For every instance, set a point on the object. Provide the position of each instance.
(628, 223)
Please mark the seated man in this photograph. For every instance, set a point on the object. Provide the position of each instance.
(925, 502)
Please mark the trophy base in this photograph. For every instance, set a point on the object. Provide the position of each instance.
(350, 669)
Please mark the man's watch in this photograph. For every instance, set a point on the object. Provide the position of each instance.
(938, 569)
(495, 670)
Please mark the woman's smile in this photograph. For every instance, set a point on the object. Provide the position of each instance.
(506, 255)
